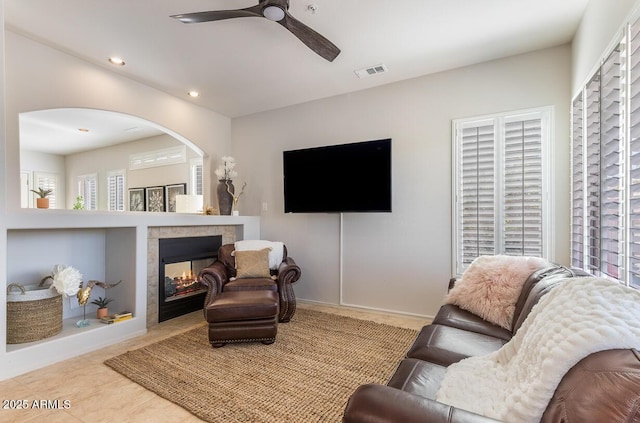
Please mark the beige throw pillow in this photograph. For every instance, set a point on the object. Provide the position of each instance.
(252, 264)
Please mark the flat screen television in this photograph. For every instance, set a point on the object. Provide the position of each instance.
(348, 178)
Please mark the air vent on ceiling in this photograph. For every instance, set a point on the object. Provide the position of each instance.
(373, 70)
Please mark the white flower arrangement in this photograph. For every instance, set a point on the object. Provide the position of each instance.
(66, 280)
(225, 171)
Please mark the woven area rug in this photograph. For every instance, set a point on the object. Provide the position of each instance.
(307, 375)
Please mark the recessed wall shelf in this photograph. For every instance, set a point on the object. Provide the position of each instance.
(103, 246)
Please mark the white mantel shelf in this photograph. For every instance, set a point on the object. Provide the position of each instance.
(62, 219)
(120, 236)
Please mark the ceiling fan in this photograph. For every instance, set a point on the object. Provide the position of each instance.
(274, 10)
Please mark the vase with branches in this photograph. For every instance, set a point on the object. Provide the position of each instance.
(225, 190)
(235, 197)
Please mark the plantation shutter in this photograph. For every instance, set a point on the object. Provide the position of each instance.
(609, 156)
(500, 185)
(88, 189)
(612, 153)
(522, 187)
(634, 156)
(91, 194)
(577, 185)
(115, 182)
(476, 192)
(196, 178)
(593, 173)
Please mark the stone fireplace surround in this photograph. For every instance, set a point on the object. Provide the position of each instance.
(229, 235)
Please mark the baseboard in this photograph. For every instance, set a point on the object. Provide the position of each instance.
(365, 308)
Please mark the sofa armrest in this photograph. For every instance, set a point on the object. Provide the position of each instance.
(382, 404)
(213, 277)
(288, 272)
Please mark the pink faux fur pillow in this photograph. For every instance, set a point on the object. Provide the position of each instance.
(491, 285)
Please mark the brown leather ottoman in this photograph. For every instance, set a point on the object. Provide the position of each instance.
(243, 316)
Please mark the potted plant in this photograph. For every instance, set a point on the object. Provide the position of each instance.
(102, 306)
(79, 204)
(42, 202)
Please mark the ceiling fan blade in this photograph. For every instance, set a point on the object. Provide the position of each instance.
(311, 38)
(218, 15)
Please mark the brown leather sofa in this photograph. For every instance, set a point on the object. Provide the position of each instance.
(603, 387)
(217, 278)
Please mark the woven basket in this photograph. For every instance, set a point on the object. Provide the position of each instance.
(34, 312)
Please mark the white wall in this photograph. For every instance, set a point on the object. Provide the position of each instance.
(37, 161)
(601, 21)
(86, 246)
(40, 77)
(399, 261)
(103, 160)
(3, 188)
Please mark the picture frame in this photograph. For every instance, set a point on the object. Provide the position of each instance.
(155, 199)
(137, 199)
(171, 192)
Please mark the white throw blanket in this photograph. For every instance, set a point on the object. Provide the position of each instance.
(275, 254)
(515, 383)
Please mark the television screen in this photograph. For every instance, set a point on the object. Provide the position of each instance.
(352, 177)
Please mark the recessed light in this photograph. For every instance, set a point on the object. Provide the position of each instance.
(116, 61)
(193, 93)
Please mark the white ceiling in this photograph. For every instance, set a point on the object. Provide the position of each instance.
(247, 65)
(68, 131)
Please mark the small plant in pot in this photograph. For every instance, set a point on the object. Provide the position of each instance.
(102, 306)
(79, 204)
(42, 202)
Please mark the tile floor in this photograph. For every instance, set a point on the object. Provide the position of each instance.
(97, 394)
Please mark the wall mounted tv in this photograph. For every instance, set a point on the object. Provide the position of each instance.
(347, 178)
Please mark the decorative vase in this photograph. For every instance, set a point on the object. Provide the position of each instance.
(225, 200)
(42, 203)
(102, 312)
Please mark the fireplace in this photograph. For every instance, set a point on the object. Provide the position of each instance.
(180, 261)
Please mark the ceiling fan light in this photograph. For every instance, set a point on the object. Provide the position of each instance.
(273, 13)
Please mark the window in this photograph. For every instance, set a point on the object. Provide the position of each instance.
(115, 193)
(196, 177)
(88, 189)
(632, 199)
(156, 158)
(47, 181)
(26, 183)
(501, 183)
(592, 173)
(605, 166)
(577, 186)
(612, 165)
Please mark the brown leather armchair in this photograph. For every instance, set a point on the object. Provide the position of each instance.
(217, 278)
